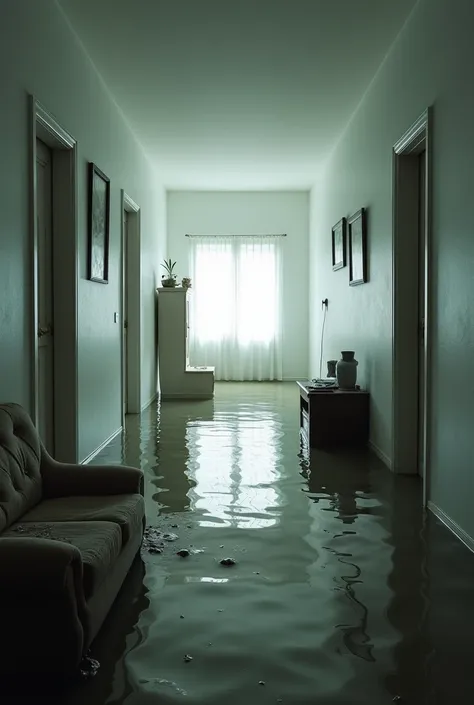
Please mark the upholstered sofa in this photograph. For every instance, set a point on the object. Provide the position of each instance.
(68, 536)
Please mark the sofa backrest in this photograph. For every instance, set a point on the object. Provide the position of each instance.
(20, 477)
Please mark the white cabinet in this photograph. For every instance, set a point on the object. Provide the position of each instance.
(177, 378)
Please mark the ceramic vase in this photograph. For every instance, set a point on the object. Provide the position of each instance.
(332, 368)
(346, 370)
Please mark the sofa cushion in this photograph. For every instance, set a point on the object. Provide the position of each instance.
(20, 453)
(125, 510)
(99, 542)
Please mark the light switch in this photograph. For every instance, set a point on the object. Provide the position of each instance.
(116, 317)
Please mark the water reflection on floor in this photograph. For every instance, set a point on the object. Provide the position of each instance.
(343, 592)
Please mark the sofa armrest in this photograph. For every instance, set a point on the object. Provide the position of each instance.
(67, 480)
(45, 622)
(39, 565)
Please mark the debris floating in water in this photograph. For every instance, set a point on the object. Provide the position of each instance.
(227, 561)
(89, 667)
(187, 658)
(155, 549)
(154, 540)
(183, 552)
(174, 526)
(261, 682)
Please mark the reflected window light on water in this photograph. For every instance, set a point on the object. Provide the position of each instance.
(234, 468)
(192, 579)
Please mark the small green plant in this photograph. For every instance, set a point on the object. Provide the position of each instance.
(169, 266)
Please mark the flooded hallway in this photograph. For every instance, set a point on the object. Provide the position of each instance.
(343, 592)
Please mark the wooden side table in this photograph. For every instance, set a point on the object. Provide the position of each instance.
(334, 417)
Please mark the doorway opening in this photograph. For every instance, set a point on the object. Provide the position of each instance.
(54, 277)
(411, 301)
(131, 307)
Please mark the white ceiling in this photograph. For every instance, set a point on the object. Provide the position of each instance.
(237, 94)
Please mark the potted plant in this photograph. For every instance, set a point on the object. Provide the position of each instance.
(168, 279)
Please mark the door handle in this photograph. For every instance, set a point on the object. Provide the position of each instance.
(45, 330)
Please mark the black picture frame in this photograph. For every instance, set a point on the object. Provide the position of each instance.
(98, 225)
(338, 233)
(357, 237)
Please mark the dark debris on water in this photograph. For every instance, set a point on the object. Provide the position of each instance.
(88, 667)
(154, 540)
(227, 561)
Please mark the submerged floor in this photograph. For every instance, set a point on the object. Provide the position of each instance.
(343, 592)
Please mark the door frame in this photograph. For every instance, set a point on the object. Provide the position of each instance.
(44, 126)
(133, 306)
(405, 319)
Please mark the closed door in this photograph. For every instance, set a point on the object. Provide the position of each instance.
(45, 295)
(126, 289)
(421, 310)
(187, 328)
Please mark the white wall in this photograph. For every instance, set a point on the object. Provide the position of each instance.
(430, 64)
(40, 55)
(252, 212)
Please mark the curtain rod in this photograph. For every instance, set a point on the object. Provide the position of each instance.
(266, 235)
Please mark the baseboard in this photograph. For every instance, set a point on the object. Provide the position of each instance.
(149, 402)
(380, 454)
(185, 396)
(258, 381)
(452, 526)
(95, 452)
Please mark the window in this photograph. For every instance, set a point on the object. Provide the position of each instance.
(236, 305)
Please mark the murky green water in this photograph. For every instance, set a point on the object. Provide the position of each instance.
(342, 592)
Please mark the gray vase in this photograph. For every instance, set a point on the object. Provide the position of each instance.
(332, 368)
(346, 370)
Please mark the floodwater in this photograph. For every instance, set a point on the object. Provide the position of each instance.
(343, 592)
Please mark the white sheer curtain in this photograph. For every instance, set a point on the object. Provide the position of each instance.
(236, 306)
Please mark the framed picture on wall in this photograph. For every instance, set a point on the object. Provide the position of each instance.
(98, 225)
(339, 244)
(357, 236)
